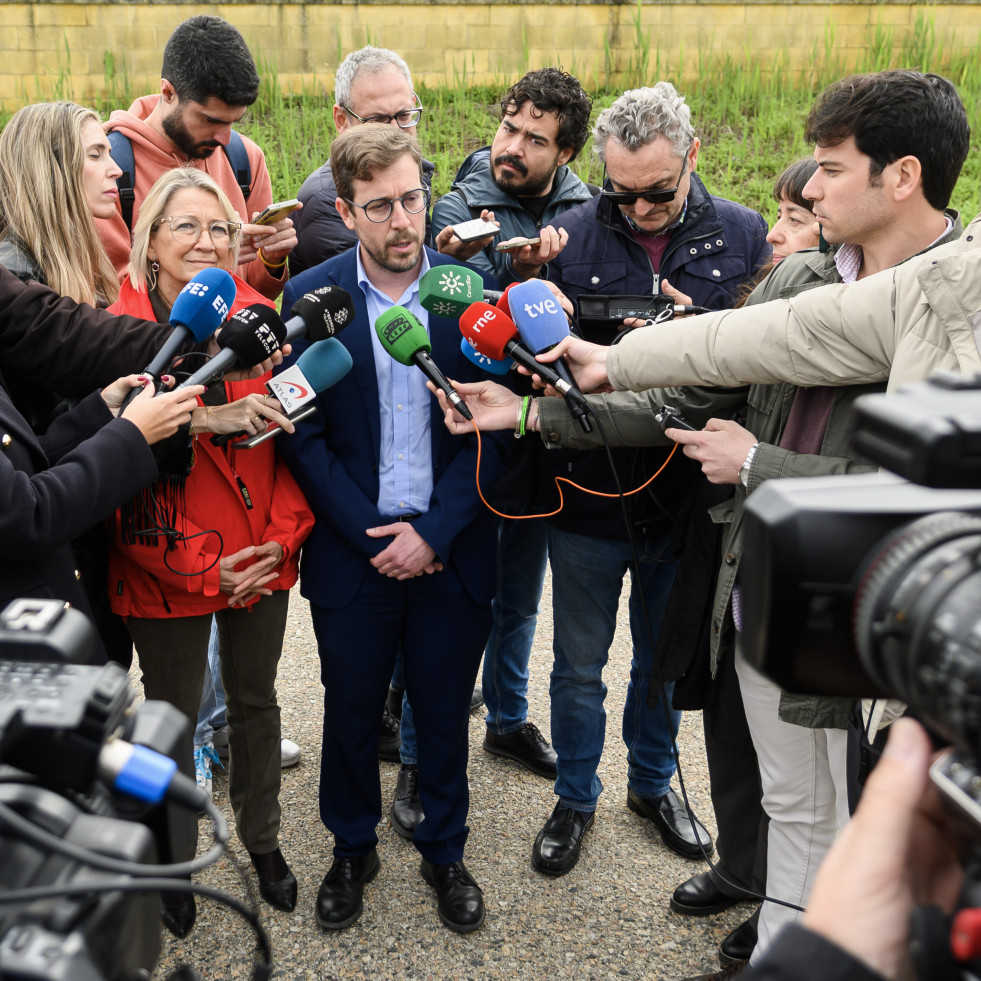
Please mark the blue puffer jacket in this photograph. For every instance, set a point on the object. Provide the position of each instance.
(718, 247)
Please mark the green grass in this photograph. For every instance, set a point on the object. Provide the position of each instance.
(749, 115)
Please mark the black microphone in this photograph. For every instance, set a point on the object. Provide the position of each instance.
(248, 338)
(320, 314)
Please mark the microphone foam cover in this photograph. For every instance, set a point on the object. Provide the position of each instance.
(447, 291)
(504, 303)
(493, 366)
(487, 329)
(253, 333)
(204, 302)
(326, 311)
(401, 334)
(325, 363)
(538, 315)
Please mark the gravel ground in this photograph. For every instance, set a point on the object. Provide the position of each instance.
(608, 918)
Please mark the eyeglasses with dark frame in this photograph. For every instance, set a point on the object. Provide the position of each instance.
(660, 195)
(405, 119)
(380, 209)
(184, 228)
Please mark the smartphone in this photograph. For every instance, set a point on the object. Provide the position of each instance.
(275, 212)
(513, 244)
(468, 231)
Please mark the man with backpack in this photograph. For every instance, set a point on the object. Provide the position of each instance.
(209, 80)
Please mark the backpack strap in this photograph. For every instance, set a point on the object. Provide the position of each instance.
(238, 157)
(121, 151)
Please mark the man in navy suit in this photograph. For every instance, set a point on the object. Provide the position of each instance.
(402, 554)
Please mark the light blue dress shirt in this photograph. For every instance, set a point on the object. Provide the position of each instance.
(405, 467)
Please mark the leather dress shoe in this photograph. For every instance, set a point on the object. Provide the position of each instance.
(729, 971)
(669, 816)
(460, 902)
(340, 897)
(178, 912)
(476, 699)
(390, 739)
(406, 814)
(739, 945)
(277, 884)
(700, 896)
(556, 849)
(525, 745)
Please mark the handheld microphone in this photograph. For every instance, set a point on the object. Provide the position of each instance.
(447, 291)
(320, 314)
(491, 365)
(542, 324)
(407, 342)
(197, 313)
(320, 366)
(249, 337)
(494, 335)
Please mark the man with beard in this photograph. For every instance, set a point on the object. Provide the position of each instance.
(401, 555)
(208, 82)
(523, 177)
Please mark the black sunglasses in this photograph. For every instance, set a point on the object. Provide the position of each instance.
(660, 195)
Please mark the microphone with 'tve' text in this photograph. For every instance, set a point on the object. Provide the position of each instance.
(197, 313)
(542, 323)
(323, 364)
(406, 340)
(249, 336)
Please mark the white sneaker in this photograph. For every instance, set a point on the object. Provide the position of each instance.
(290, 753)
(204, 756)
(219, 739)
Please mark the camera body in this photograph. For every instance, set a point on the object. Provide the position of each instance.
(55, 718)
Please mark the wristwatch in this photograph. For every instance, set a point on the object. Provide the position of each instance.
(747, 463)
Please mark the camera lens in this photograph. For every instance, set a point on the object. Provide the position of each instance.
(917, 622)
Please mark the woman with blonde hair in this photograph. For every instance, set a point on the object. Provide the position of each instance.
(219, 540)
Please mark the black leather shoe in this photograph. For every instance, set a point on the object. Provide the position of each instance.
(669, 816)
(526, 745)
(339, 899)
(277, 884)
(556, 849)
(406, 814)
(739, 945)
(476, 699)
(178, 912)
(700, 896)
(460, 902)
(394, 701)
(390, 740)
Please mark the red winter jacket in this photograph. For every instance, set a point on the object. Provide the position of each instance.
(141, 582)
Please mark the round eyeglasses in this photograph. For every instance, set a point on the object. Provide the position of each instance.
(224, 234)
(380, 209)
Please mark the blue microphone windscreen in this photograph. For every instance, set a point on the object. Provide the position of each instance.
(538, 315)
(325, 363)
(203, 304)
(494, 366)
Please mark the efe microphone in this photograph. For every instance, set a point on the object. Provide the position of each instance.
(406, 340)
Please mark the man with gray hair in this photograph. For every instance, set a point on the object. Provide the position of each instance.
(653, 229)
(372, 85)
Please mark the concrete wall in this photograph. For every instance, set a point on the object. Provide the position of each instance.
(60, 48)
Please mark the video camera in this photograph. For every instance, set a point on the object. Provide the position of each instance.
(75, 748)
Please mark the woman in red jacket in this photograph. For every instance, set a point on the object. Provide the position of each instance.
(221, 538)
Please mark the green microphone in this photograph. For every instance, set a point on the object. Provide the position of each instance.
(407, 342)
(447, 291)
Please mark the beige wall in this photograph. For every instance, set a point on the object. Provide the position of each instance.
(447, 41)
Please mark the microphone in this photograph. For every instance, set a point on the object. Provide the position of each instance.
(320, 314)
(407, 342)
(494, 335)
(320, 366)
(491, 365)
(542, 324)
(447, 291)
(197, 313)
(249, 337)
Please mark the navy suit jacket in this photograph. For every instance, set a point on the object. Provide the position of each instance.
(334, 456)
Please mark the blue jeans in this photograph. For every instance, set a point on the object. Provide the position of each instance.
(408, 753)
(522, 554)
(587, 577)
(211, 714)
